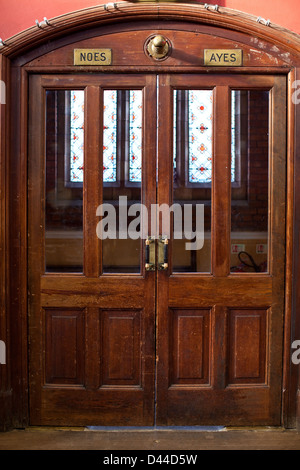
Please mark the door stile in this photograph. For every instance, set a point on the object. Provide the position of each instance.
(277, 229)
(92, 197)
(36, 208)
(92, 184)
(164, 196)
(149, 189)
(221, 210)
(221, 182)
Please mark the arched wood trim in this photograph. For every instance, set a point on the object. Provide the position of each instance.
(125, 11)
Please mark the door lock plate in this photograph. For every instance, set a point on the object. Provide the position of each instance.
(150, 254)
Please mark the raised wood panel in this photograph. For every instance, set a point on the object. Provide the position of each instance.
(64, 347)
(247, 346)
(190, 346)
(121, 349)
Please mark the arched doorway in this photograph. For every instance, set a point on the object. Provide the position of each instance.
(135, 331)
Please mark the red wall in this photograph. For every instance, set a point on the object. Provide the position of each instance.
(17, 15)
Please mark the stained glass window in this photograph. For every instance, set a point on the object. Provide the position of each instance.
(135, 136)
(110, 136)
(200, 105)
(111, 102)
(198, 109)
(200, 136)
(77, 136)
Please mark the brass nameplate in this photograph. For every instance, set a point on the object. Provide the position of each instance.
(92, 56)
(223, 57)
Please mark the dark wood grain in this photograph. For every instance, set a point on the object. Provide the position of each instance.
(92, 351)
(187, 51)
(92, 196)
(221, 185)
(5, 377)
(244, 379)
(237, 292)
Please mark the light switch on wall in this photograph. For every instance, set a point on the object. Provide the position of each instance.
(237, 247)
(261, 248)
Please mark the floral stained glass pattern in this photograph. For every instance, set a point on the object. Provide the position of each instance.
(110, 136)
(200, 136)
(135, 136)
(76, 136)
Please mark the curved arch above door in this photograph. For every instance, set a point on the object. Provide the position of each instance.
(117, 13)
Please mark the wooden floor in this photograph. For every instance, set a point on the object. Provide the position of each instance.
(152, 439)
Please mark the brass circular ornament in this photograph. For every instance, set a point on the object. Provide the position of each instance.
(158, 47)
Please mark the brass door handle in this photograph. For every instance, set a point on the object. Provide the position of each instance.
(163, 253)
(150, 254)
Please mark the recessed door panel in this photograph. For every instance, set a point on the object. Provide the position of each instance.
(121, 351)
(190, 347)
(248, 339)
(64, 347)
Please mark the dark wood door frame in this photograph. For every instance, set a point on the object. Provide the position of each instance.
(276, 51)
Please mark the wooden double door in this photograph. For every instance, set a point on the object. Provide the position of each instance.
(184, 327)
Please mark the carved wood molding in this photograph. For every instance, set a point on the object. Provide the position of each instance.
(126, 11)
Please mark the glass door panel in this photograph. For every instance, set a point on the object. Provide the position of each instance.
(192, 179)
(250, 181)
(64, 180)
(122, 180)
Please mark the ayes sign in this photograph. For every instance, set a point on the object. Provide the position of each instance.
(223, 57)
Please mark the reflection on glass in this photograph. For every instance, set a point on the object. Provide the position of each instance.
(77, 135)
(122, 176)
(249, 205)
(64, 175)
(135, 136)
(192, 156)
(110, 136)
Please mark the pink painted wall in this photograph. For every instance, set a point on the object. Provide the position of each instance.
(18, 15)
